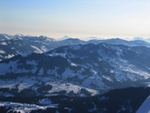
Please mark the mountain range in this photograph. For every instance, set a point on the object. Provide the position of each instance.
(44, 67)
(19, 44)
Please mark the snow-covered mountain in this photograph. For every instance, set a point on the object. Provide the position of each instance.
(143, 39)
(24, 45)
(72, 75)
(4, 37)
(20, 44)
(76, 70)
(117, 41)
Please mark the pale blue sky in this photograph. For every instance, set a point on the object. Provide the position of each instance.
(76, 18)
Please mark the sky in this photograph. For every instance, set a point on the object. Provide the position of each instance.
(76, 18)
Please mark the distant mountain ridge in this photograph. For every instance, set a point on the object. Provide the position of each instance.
(19, 44)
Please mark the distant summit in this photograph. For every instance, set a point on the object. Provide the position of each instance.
(143, 39)
(65, 37)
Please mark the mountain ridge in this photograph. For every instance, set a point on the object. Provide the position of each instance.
(19, 44)
(72, 75)
(95, 67)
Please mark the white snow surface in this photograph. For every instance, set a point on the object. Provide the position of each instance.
(3, 43)
(22, 83)
(124, 71)
(37, 50)
(57, 54)
(26, 108)
(74, 65)
(58, 86)
(2, 52)
(44, 49)
(9, 56)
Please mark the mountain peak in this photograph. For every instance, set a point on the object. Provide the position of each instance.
(18, 35)
(67, 37)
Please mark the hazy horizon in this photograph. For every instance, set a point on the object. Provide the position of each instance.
(80, 18)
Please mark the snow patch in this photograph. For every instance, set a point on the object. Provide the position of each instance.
(73, 64)
(3, 43)
(44, 49)
(23, 86)
(69, 87)
(2, 52)
(9, 56)
(37, 50)
(26, 108)
(57, 54)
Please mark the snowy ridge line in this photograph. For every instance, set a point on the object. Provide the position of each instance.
(26, 108)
